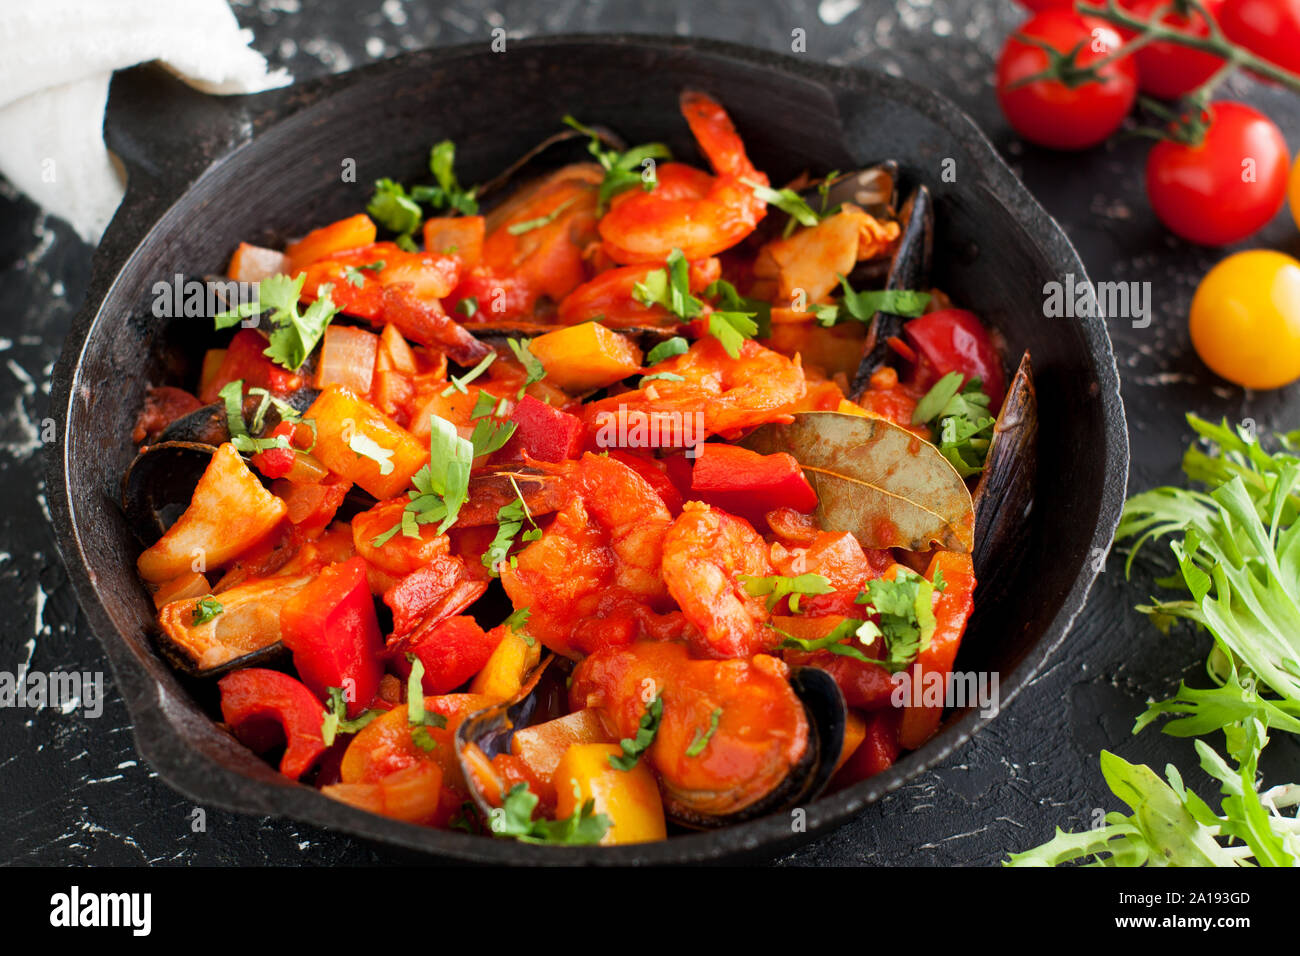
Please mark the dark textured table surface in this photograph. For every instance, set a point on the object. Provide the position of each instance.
(73, 790)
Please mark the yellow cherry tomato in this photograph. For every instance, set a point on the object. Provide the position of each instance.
(1245, 319)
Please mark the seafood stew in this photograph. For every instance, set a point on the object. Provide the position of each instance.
(590, 505)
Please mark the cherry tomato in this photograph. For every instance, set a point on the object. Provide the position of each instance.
(1168, 70)
(1049, 112)
(1268, 28)
(1295, 192)
(1226, 188)
(1245, 319)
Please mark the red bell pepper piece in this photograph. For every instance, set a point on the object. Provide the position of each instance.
(452, 651)
(424, 597)
(276, 462)
(543, 433)
(655, 472)
(952, 610)
(261, 706)
(244, 360)
(748, 484)
(331, 628)
(954, 340)
(877, 752)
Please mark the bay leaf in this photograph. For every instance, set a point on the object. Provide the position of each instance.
(881, 482)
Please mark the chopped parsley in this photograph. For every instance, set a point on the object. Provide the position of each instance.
(515, 819)
(336, 717)
(634, 747)
(294, 334)
(232, 394)
(789, 202)
(354, 276)
(437, 492)
(207, 608)
(906, 612)
(622, 170)
(732, 301)
(398, 210)
(518, 620)
(366, 447)
(731, 329)
(670, 287)
(458, 384)
(702, 737)
(961, 421)
(864, 305)
(468, 306)
(667, 349)
(528, 225)
(534, 371)
(777, 586)
(417, 716)
(393, 208)
(510, 520)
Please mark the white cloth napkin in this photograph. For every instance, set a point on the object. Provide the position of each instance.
(56, 60)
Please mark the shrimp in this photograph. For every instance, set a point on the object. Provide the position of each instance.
(553, 221)
(592, 579)
(717, 395)
(706, 555)
(689, 210)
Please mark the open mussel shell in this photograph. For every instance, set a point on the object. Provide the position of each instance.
(210, 425)
(873, 189)
(159, 484)
(909, 268)
(181, 659)
(1005, 493)
(827, 715)
(493, 728)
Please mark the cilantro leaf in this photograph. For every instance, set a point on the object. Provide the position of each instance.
(293, 334)
(732, 301)
(960, 417)
(670, 287)
(624, 170)
(777, 586)
(528, 225)
(393, 208)
(648, 727)
(336, 717)
(534, 371)
(514, 818)
(207, 608)
(510, 520)
(667, 349)
(788, 201)
(417, 716)
(702, 737)
(864, 305)
(732, 329)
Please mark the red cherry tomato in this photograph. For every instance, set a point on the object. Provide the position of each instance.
(1168, 70)
(1049, 112)
(1268, 28)
(1228, 187)
(954, 340)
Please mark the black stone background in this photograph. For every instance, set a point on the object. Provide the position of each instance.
(73, 790)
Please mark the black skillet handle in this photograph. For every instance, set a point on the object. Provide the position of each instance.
(166, 134)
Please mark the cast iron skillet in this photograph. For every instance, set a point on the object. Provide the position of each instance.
(205, 173)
